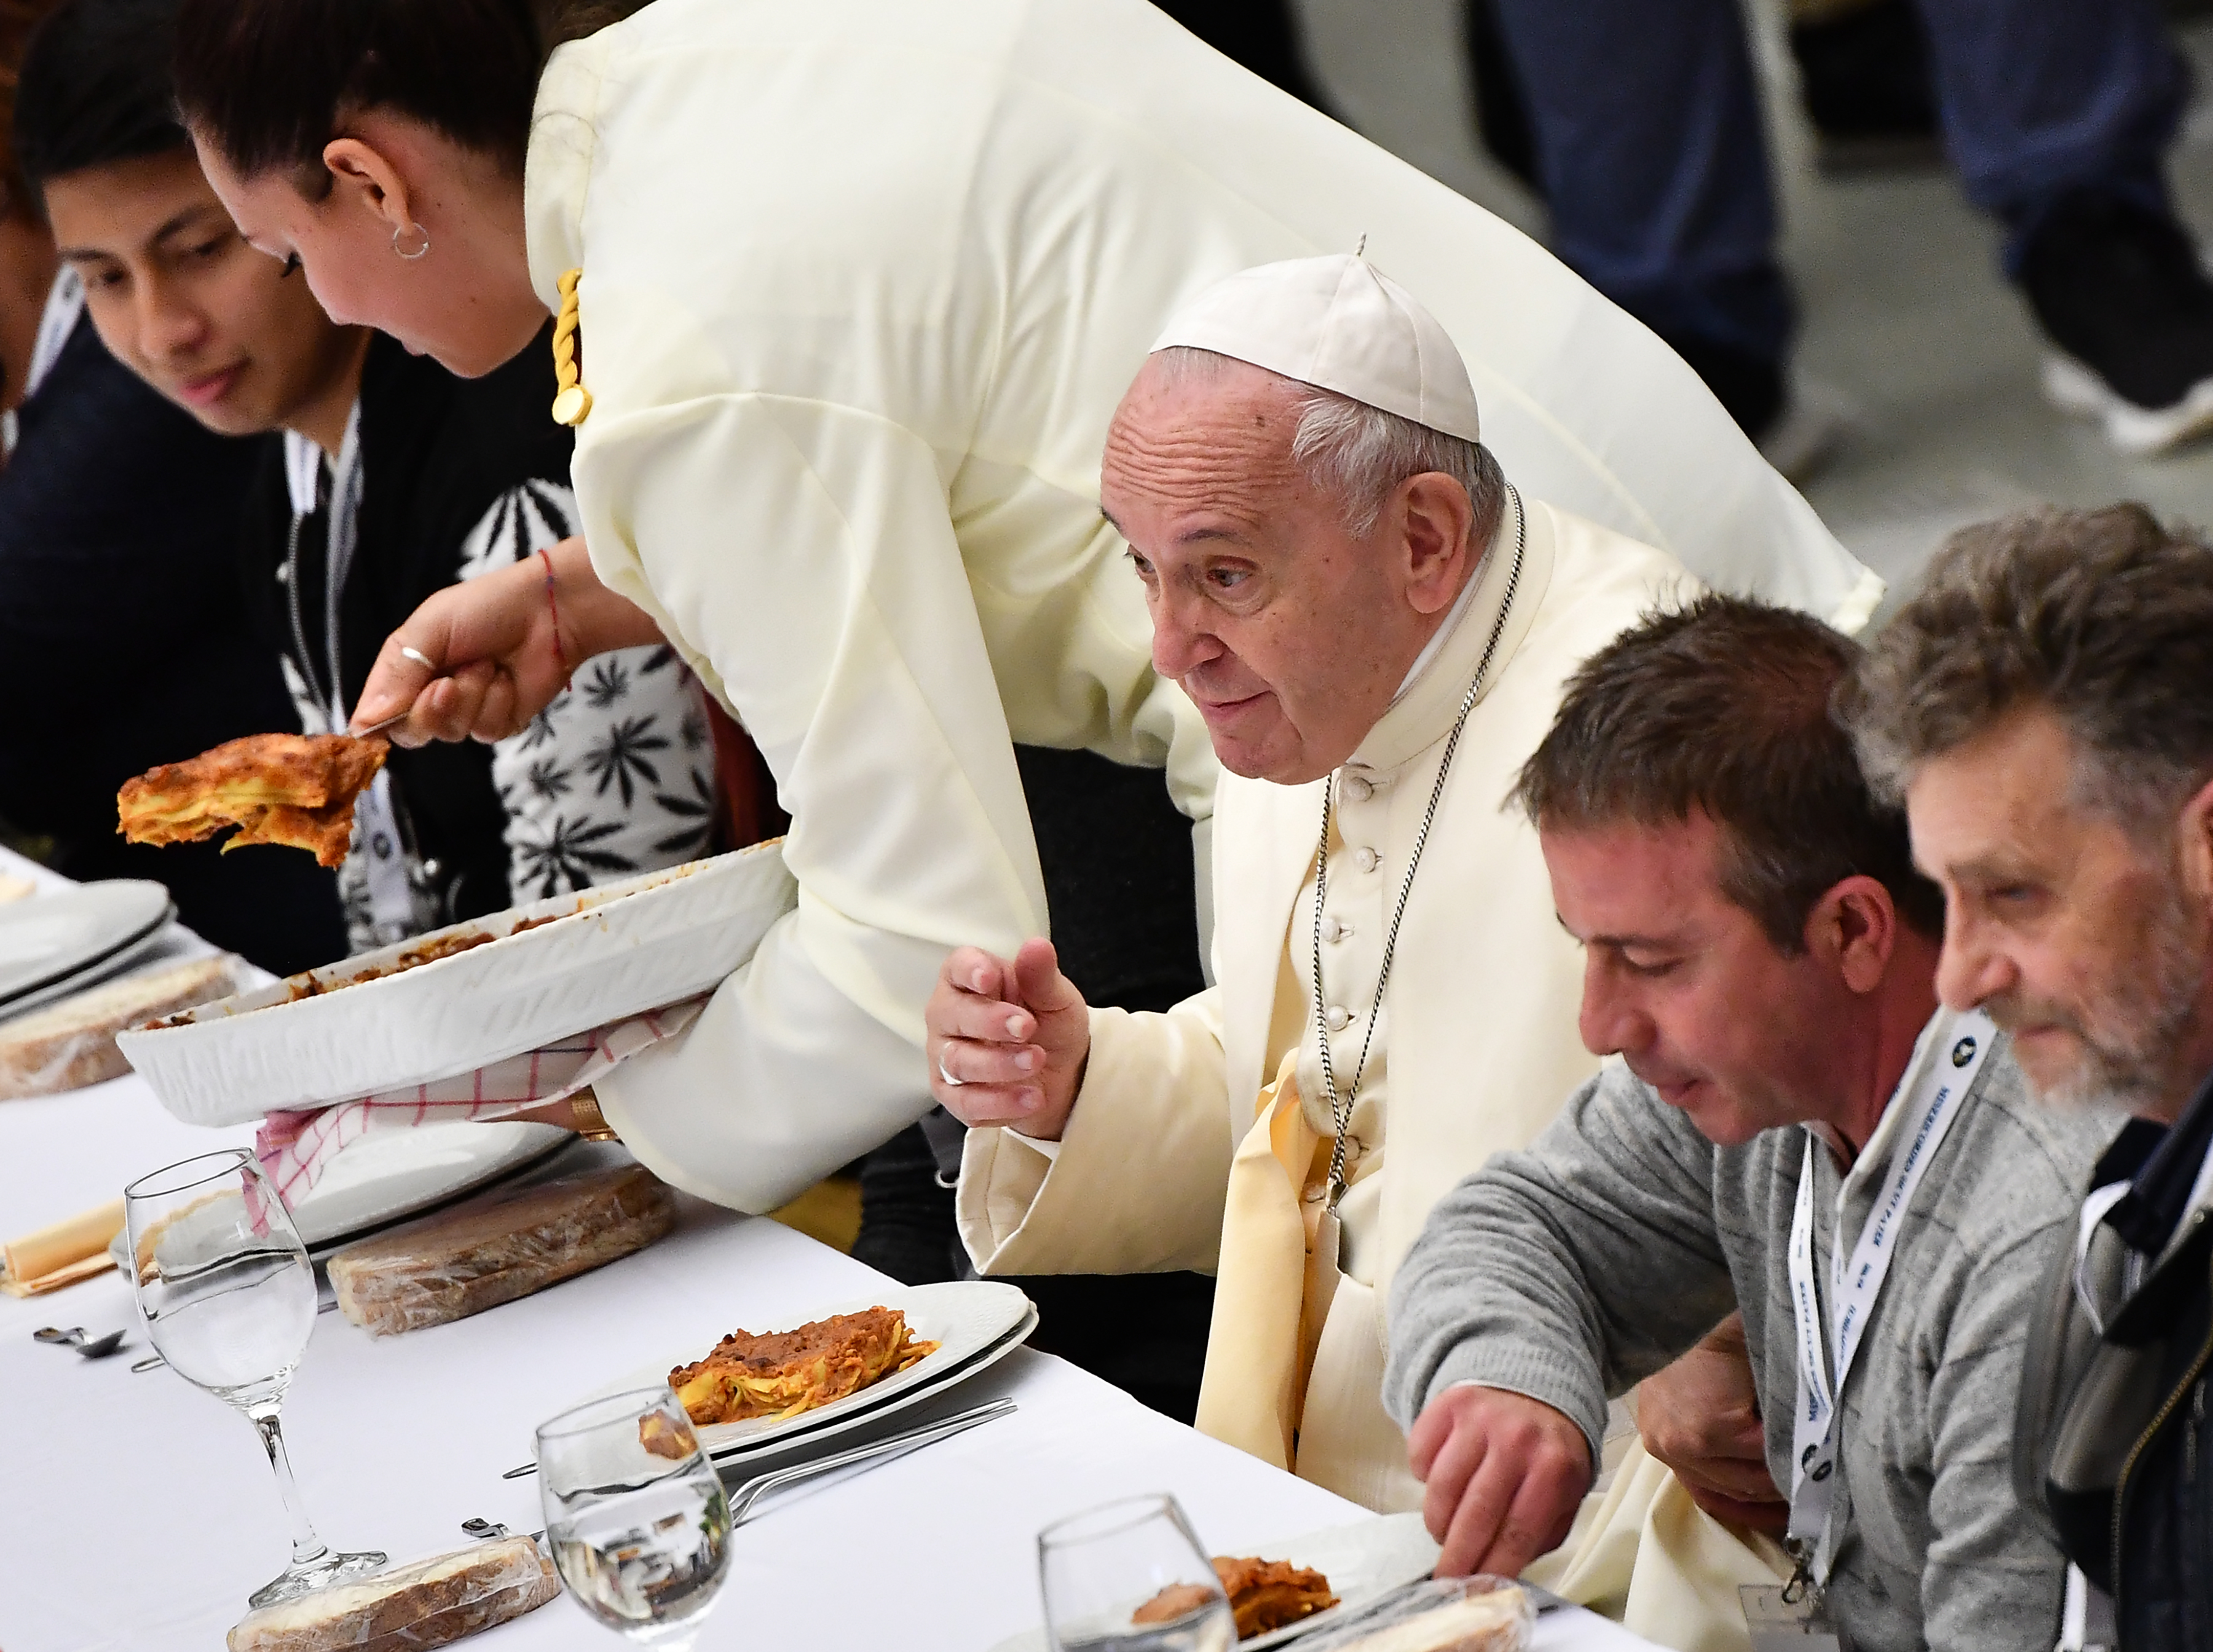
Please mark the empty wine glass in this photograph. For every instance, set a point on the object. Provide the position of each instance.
(228, 1297)
(635, 1514)
(1130, 1576)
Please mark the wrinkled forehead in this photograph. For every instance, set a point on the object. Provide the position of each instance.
(1219, 435)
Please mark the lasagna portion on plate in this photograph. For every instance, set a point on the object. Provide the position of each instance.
(1264, 1595)
(296, 789)
(784, 1373)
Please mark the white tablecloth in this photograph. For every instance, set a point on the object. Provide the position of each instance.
(136, 1512)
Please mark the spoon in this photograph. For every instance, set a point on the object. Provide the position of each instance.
(95, 1348)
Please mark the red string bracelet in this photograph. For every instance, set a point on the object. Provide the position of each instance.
(559, 652)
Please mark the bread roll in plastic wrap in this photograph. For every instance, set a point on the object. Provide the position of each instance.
(475, 1258)
(1461, 1614)
(427, 1603)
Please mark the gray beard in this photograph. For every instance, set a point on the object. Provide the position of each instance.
(2130, 1040)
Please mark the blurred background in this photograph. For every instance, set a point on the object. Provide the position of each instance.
(1924, 359)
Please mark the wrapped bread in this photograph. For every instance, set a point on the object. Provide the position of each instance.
(482, 1255)
(428, 1604)
(71, 1043)
(1463, 1615)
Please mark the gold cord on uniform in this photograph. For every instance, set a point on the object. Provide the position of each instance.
(573, 403)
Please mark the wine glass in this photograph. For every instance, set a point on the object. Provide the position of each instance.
(228, 1297)
(635, 1514)
(1130, 1576)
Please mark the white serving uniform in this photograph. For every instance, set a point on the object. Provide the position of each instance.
(1476, 1047)
(863, 281)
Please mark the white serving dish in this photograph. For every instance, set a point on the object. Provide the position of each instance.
(1363, 1561)
(611, 951)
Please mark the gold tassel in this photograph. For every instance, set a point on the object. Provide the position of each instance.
(573, 404)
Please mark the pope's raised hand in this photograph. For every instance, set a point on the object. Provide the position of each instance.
(479, 659)
(1008, 1040)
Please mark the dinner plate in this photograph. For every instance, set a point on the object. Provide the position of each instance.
(963, 1317)
(1363, 1561)
(69, 931)
(389, 1175)
(542, 972)
(100, 970)
(869, 1416)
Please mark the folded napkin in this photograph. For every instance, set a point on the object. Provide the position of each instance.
(295, 1148)
(62, 1254)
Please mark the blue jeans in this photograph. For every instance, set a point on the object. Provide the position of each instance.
(1651, 151)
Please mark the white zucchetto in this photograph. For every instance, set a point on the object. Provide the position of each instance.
(1336, 323)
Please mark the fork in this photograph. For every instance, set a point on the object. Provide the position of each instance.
(890, 1448)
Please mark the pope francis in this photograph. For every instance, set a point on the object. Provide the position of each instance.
(1375, 627)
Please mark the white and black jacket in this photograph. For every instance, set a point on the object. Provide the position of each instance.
(440, 479)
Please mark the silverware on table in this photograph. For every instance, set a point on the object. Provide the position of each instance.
(91, 1348)
(891, 1447)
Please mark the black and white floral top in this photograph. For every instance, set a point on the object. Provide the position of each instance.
(614, 777)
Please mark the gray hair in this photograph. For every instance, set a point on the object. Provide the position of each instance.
(2103, 618)
(1357, 454)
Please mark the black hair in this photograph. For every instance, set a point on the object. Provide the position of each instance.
(94, 88)
(269, 83)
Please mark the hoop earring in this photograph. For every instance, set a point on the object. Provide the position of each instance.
(420, 250)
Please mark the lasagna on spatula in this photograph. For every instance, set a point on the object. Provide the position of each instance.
(298, 789)
(787, 1372)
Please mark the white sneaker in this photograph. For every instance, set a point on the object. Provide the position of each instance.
(2140, 432)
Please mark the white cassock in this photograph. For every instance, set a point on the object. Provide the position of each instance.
(863, 281)
(1475, 1049)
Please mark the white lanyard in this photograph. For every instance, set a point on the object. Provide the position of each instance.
(1949, 1056)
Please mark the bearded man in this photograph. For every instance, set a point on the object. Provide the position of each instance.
(2042, 706)
(1375, 627)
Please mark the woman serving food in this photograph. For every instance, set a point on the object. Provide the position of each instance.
(846, 295)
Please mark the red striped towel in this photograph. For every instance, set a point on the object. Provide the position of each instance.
(295, 1148)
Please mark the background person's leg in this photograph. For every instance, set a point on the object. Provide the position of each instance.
(2058, 114)
(1649, 148)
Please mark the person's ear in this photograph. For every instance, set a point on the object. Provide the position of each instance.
(363, 175)
(1855, 924)
(1436, 517)
(2194, 839)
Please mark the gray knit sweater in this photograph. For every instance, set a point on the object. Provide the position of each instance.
(1568, 1271)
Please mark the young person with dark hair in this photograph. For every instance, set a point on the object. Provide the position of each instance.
(392, 479)
(118, 527)
(1796, 1126)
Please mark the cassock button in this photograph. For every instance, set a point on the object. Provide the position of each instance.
(1356, 789)
(1364, 858)
(1336, 1017)
(1335, 929)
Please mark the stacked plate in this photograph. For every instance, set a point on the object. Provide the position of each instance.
(66, 941)
(975, 1323)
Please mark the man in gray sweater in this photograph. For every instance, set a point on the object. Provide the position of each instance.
(1762, 955)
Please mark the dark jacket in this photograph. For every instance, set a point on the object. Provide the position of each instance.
(438, 454)
(123, 644)
(2112, 1419)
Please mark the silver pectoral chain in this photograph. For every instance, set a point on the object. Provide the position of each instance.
(1340, 1110)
